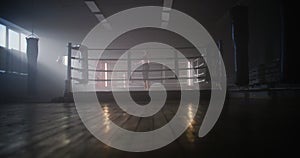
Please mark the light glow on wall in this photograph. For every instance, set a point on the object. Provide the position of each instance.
(23, 43)
(105, 74)
(190, 74)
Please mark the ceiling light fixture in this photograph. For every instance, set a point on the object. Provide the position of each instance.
(92, 6)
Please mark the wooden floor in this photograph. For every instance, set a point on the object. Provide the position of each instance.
(247, 128)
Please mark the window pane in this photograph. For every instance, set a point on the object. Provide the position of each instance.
(23, 43)
(2, 35)
(13, 40)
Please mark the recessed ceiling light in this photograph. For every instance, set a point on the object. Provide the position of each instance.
(165, 16)
(167, 5)
(92, 6)
(164, 24)
(100, 17)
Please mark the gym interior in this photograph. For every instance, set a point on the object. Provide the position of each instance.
(77, 76)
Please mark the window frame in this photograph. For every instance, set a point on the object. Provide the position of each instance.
(21, 31)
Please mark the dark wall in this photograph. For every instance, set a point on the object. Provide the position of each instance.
(223, 32)
(290, 64)
(265, 31)
(264, 35)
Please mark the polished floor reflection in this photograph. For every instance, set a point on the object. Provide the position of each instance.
(247, 128)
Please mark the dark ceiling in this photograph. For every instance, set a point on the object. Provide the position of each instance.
(206, 12)
(69, 16)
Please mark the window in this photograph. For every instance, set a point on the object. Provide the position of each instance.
(23, 43)
(13, 40)
(2, 35)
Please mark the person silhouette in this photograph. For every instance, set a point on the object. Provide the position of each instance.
(146, 68)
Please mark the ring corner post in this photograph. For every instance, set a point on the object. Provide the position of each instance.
(68, 79)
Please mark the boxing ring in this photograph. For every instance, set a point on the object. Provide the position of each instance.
(192, 69)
